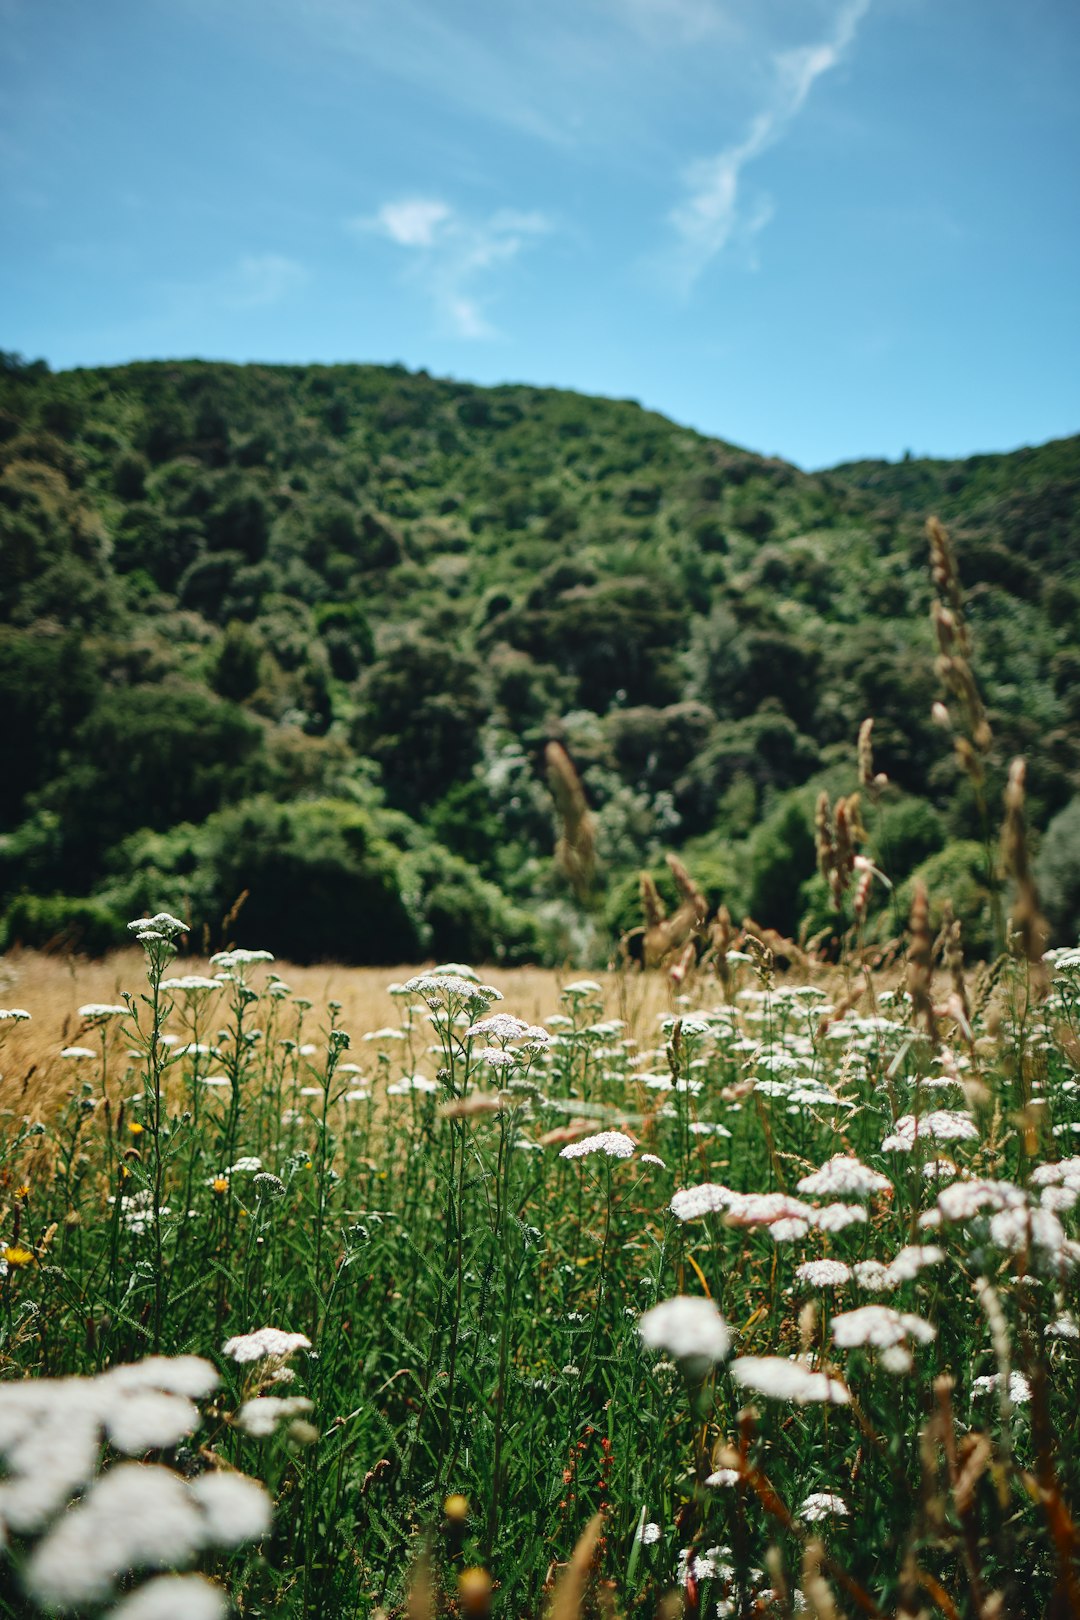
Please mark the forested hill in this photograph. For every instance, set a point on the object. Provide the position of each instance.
(295, 637)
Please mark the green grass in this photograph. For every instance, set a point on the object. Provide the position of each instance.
(472, 1297)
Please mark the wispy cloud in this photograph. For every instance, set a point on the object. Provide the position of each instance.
(260, 279)
(714, 213)
(452, 257)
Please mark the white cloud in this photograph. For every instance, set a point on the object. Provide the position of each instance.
(450, 253)
(413, 222)
(713, 214)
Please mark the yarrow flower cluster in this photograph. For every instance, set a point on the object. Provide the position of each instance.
(132, 1516)
(939, 1125)
(690, 1329)
(265, 1344)
(615, 1144)
(781, 1380)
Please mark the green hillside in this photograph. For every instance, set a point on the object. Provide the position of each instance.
(294, 638)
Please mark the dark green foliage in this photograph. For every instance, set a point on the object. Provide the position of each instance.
(145, 757)
(420, 710)
(58, 923)
(48, 683)
(409, 585)
(781, 854)
(318, 880)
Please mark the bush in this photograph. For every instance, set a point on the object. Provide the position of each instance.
(58, 923)
(319, 881)
(781, 857)
(957, 873)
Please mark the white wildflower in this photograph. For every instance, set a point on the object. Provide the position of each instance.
(965, 1199)
(228, 961)
(162, 926)
(174, 1597)
(939, 1125)
(14, 1015)
(844, 1175)
(77, 1052)
(500, 1026)
(263, 1344)
(1018, 1229)
(781, 1380)
(823, 1505)
(835, 1217)
(690, 1329)
(1019, 1387)
(648, 1534)
(133, 1517)
(235, 1508)
(652, 1158)
(261, 1416)
(615, 1144)
(912, 1259)
(247, 1165)
(101, 1010)
(879, 1326)
(872, 1275)
(824, 1273)
(722, 1477)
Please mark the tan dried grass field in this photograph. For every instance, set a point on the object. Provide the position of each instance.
(52, 989)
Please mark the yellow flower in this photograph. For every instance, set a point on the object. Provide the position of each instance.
(134, 1127)
(23, 1191)
(220, 1185)
(16, 1255)
(456, 1506)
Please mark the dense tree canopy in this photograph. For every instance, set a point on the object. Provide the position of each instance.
(303, 632)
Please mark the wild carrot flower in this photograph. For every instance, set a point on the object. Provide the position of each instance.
(101, 1010)
(77, 1052)
(14, 1015)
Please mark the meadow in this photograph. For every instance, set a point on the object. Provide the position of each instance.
(753, 1294)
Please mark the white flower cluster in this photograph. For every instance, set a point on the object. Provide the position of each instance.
(261, 1416)
(14, 1015)
(879, 1326)
(845, 1176)
(100, 1010)
(939, 1125)
(787, 1218)
(781, 1380)
(265, 1344)
(153, 930)
(615, 1144)
(442, 985)
(134, 1515)
(688, 1328)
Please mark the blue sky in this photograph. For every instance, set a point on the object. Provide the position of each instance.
(818, 228)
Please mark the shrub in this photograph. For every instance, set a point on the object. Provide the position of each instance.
(59, 923)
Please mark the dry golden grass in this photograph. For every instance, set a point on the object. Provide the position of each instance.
(34, 1077)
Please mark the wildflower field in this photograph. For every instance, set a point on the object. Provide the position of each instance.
(760, 1302)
